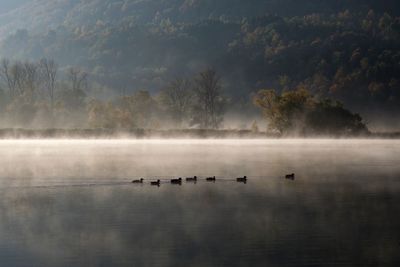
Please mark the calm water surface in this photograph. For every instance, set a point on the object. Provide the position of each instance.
(70, 203)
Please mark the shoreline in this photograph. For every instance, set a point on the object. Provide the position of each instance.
(8, 134)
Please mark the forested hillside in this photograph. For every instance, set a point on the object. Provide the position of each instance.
(345, 50)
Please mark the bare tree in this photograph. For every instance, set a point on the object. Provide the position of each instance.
(208, 91)
(18, 74)
(178, 98)
(30, 79)
(74, 96)
(7, 77)
(48, 73)
(78, 79)
(21, 78)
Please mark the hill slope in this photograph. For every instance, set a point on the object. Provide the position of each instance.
(340, 49)
(41, 15)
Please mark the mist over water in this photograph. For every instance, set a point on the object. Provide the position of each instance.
(70, 203)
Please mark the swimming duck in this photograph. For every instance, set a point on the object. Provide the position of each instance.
(211, 179)
(176, 181)
(191, 179)
(157, 183)
(140, 181)
(242, 179)
(290, 176)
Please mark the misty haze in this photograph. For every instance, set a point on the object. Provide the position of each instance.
(199, 133)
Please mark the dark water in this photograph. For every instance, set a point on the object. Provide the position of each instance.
(69, 203)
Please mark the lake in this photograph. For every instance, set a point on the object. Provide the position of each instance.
(71, 203)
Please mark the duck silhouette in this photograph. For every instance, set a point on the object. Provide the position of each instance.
(290, 176)
(176, 181)
(191, 179)
(155, 183)
(242, 179)
(140, 181)
(211, 179)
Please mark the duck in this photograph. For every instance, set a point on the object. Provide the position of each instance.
(140, 181)
(211, 179)
(191, 179)
(157, 183)
(176, 181)
(242, 179)
(290, 176)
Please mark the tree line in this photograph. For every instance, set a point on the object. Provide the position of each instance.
(183, 103)
(36, 94)
(32, 95)
(39, 95)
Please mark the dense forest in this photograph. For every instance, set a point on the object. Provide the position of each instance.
(347, 51)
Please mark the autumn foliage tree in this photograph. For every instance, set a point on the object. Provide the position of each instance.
(299, 112)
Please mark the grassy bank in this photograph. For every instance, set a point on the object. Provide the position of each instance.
(131, 133)
(151, 133)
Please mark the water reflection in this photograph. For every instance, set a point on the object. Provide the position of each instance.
(338, 211)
